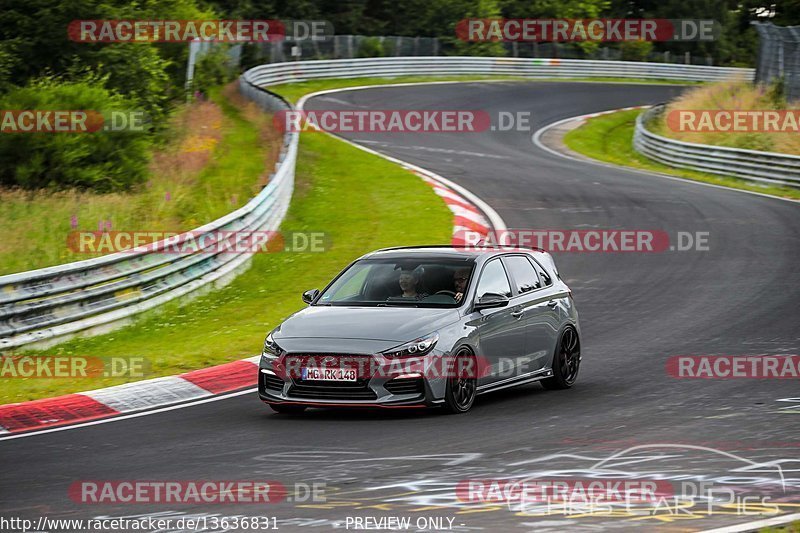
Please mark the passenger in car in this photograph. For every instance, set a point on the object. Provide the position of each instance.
(409, 282)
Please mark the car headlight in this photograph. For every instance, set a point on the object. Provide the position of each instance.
(271, 351)
(415, 348)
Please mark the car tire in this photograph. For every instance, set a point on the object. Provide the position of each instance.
(566, 361)
(287, 409)
(461, 390)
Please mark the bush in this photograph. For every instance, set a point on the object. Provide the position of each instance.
(212, 69)
(370, 47)
(389, 48)
(103, 161)
(636, 50)
(140, 74)
(776, 93)
(7, 63)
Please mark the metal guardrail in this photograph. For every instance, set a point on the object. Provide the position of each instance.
(764, 167)
(92, 295)
(273, 74)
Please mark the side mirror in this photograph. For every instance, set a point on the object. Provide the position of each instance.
(490, 300)
(309, 295)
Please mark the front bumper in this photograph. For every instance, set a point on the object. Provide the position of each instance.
(387, 384)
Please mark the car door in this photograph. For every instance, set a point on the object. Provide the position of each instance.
(526, 286)
(501, 331)
(535, 297)
(544, 324)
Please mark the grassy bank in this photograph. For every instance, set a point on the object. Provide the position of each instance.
(740, 96)
(609, 138)
(212, 165)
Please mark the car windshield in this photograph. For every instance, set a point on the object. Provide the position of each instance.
(401, 282)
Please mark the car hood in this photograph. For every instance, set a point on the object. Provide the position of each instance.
(393, 324)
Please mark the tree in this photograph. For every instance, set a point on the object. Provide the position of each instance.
(481, 9)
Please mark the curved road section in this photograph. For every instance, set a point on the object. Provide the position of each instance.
(714, 452)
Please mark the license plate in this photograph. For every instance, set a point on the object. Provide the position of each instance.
(328, 374)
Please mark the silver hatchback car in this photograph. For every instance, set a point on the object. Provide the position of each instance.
(425, 326)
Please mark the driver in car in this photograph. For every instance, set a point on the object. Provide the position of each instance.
(460, 278)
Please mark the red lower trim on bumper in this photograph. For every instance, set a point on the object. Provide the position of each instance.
(368, 405)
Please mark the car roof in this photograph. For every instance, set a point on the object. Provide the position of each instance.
(441, 252)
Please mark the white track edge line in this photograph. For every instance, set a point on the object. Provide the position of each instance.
(128, 416)
(757, 524)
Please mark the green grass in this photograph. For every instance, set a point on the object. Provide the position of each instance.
(792, 527)
(36, 224)
(609, 138)
(293, 91)
(361, 201)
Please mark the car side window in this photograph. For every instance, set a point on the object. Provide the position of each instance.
(543, 275)
(494, 279)
(522, 272)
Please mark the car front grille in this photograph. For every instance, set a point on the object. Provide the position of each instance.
(332, 390)
(405, 386)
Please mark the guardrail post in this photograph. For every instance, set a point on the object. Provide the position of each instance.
(194, 49)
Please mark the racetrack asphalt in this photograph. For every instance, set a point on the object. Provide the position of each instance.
(740, 297)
